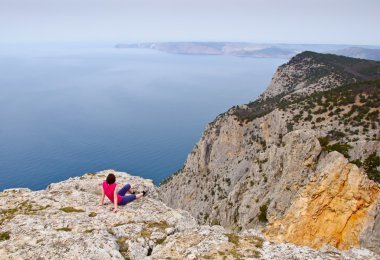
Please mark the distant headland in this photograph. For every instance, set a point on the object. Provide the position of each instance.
(257, 50)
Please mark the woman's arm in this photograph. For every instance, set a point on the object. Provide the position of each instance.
(102, 198)
(115, 199)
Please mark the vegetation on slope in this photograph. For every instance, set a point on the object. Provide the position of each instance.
(341, 65)
(348, 113)
(349, 70)
(352, 105)
(371, 165)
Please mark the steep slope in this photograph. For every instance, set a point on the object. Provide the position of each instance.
(258, 164)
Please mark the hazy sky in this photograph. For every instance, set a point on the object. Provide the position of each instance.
(288, 21)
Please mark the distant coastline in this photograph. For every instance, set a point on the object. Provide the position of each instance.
(256, 50)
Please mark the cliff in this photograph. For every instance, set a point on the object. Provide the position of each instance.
(294, 170)
(300, 162)
(63, 222)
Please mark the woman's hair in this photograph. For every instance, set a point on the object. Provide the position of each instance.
(110, 178)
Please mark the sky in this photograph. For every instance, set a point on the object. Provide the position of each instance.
(127, 21)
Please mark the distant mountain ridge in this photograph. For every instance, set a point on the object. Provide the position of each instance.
(215, 48)
(358, 52)
(255, 50)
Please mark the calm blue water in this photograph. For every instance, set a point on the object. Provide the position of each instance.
(65, 111)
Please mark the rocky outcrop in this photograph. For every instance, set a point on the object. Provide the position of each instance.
(64, 222)
(333, 208)
(268, 164)
(333, 192)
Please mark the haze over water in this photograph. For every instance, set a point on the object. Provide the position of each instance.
(68, 110)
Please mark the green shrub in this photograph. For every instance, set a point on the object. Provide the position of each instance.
(297, 118)
(289, 126)
(319, 119)
(357, 162)
(336, 135)
(370, 165)
(324, 141)
(263, 213)
(373, 116)
(341, 148)
(308, 118)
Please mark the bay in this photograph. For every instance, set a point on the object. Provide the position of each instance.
(70, 109)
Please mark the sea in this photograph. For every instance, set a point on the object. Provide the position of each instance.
(70, 109)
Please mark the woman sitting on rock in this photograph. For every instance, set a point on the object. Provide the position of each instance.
(109, 188)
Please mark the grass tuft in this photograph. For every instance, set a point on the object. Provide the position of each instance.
(4, 236)
(92, 214)
(71, 210)
(64, 229)
(234, 239)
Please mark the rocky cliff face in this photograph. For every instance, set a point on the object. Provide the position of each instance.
(333, 208)
(63, 222)
(274, 163)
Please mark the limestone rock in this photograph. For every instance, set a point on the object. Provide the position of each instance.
(64, 222)
(332, 208)
(256, 162)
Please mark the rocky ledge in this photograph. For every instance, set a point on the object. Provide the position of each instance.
(64, 222)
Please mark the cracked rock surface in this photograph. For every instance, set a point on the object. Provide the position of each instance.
(64, 222)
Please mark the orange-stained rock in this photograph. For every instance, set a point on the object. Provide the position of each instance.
(332, 209)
